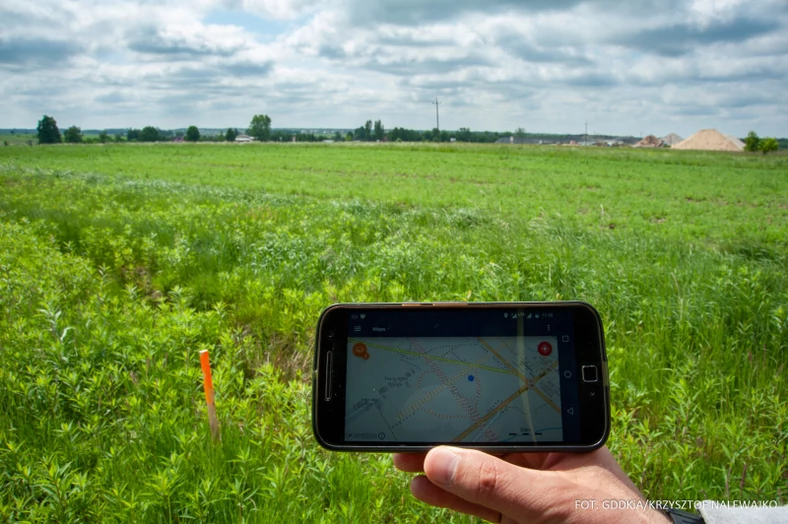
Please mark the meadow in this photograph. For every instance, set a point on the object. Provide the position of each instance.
(119, 263)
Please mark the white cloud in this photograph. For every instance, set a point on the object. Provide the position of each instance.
(495, 64)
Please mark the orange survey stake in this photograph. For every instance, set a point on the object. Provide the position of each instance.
(213, 420)
(205, 364)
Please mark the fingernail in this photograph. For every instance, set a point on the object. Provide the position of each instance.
(443, 465)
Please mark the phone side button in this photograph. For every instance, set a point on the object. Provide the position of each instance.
(329, 373)
(590, 374)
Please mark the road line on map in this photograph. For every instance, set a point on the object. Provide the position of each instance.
(508, 401)
(503, 360)
(438, 389)
(442, 359)
(547, 399)
(490, 414)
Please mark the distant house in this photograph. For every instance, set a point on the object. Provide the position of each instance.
(244, 138)
(519, 140)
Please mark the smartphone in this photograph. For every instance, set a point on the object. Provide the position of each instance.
(497, 376)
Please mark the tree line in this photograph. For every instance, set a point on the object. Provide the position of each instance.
(49, 133)
(376, 132)
(260, 129)
(753, 143)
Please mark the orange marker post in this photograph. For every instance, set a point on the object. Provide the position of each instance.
(205, 364)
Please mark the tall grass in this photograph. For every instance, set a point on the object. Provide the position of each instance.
(118, 264)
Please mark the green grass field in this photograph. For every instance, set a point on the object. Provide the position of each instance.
(18, 139)
(119, 263)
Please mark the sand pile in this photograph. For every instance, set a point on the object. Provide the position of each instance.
(735, 140)
(649, 141)
(709, 140)
(672, 139)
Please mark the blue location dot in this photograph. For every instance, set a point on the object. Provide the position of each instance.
(470, 378)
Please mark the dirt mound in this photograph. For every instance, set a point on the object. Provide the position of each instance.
(672, 139)
(650, 141)
(735, 140)
(709, 140)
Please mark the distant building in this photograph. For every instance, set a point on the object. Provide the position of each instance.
(520, 140)
(244, 138)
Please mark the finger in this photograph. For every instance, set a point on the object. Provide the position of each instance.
(527, 460)
(488, 481)
(426, 491)
(551, 461)
(409, 462)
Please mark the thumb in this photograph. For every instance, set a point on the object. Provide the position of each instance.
(488, 481)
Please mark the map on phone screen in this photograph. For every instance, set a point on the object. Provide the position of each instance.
(453, 389)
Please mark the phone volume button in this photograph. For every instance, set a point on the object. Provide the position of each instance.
(329, 373)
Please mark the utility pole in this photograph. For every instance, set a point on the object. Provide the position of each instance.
(437, 114)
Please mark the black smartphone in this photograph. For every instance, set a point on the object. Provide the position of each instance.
(494, 376)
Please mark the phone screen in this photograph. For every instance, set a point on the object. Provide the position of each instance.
(460, 377)
(488, 376)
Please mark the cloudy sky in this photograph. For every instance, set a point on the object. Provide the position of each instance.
(625, 67)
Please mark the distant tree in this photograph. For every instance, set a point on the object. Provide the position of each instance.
(368, 130)
(464, 135)
(408, 135)
(48, 133)
(231, 134)
(192, 134)
(118, 138)
(519, 133)
(349, 136)
(769, 145)
(380, 132)
(103, 137)
(338, 136)
(149, 134)
(132, 135)
(260, 127)
(73, 135)
(306, 137)
(752, 142)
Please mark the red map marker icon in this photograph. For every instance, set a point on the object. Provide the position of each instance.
(544, 348)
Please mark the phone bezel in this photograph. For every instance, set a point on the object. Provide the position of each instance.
(328, 405)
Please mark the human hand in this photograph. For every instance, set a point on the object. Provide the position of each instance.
(525, 487)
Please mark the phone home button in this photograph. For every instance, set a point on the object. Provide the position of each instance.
(590, 374)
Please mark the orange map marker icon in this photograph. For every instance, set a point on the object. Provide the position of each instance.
(360, 350)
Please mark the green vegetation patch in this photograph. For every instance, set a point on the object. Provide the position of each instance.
(119, 263)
